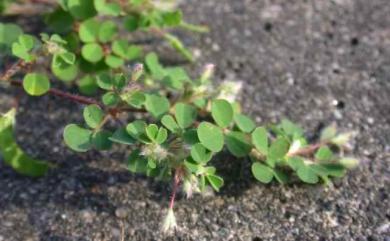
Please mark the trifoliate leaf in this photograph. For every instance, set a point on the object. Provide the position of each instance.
(238, 143)
(77, 138)
(210, 136)
(222, 112)
(36, 84)
(156, 105)
(185, 114)
(260, 140)
(244, 123)
(92, 52)
(93, 115)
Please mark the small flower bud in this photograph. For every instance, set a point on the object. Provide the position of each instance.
(349, 162)
(169, 223)
(208, 71)
(229, 90)
(137, 72)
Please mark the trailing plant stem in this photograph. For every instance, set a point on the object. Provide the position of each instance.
(176, 181)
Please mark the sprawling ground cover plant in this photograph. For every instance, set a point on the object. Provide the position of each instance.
(172, 124)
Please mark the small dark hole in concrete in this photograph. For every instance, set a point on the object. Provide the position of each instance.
(268, 27)
(340, 104)
(287, 215)
(257, 239)
(336, 71)
(329, 35)
(354, 41)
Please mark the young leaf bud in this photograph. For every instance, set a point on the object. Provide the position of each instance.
(349, 162)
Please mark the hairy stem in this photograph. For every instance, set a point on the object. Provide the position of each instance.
(176, 181)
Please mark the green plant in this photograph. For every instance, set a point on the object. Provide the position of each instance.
(181, 123)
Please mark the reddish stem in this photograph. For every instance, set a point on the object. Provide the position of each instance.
(176, 181)
(307, 150)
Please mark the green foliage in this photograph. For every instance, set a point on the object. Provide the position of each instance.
(182, 122)
(13, 155)
(36, 84)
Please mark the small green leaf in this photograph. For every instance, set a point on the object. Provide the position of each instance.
(133, 52)
(190, 137)
(36, 84)
(137, 163)
(93, 115)
(113, 61)
(27, 41)
(89, 30)
(107, 8)
(151, 131)
(306, 174)
(121, 136)
(278, 149)
(210, 136)
(135, 98)
(87, 85)
(136, 128)
(162, 135)
(244, 123)
(215, 181)
(295, 162)
(169, 122)
(77, 138)
(222, 112)
(172, 18)
(324, 154)
(179, 46)
(110, 99)
(260, 140)
(131, 22)
(290, 128)
(64, 72)
(120, 48)
(101, 140)
(238, 143)
(157, 105)
(107, 31)
(280, 176)
(81, 9)
(185, 115)
(200, 154)
(105, 81)
(154, 66)
(92, 52)
(262, 173)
